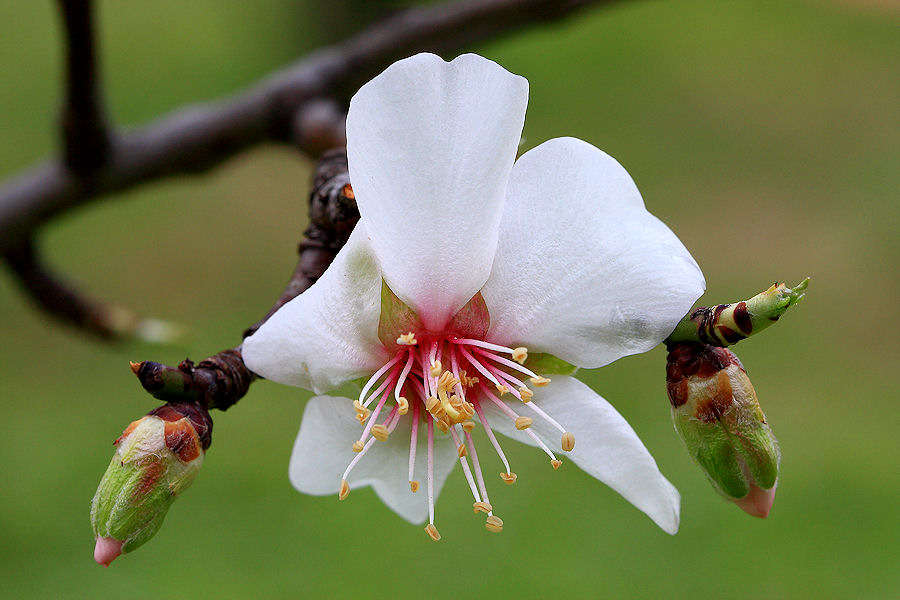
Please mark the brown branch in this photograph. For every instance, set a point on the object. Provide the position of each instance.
(65, 302)
(84, 131)
(223, 379)
(196, 139)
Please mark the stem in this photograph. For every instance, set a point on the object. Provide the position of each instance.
(726, 324)
(221, 380)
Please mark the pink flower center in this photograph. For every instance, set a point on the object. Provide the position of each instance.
(446, 380)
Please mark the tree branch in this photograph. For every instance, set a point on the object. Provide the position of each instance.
(196, 139)
(65, 302)
(84, 131)
(221, 380)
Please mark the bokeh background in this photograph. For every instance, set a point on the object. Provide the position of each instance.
(764, 133)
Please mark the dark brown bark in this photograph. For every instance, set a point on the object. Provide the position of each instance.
(195, 139)
(221, 380)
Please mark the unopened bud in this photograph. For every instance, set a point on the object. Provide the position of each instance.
(717, 414)
(156, 458)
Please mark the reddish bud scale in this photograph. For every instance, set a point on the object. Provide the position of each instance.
(700, 361)
(185, 421)
(151, 474)
(127, 432)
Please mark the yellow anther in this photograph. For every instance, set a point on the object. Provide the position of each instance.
(447, 381)
(556, 463)
(502, 389)
(523, 423)
(539, 381)
(436, 368)
(482, 507)
(380, 432)
(509, 478)
(468, 426)
(451, 406)
(466, 380)
(432, 532)
(407, 339)
(468, 408)
(461, 451)
(362, 413)
(463, 379)
(494, 524)
(358, 446)
(402, 405)
(568, 441)
(414, 486)
(520, 354)
(442, 425)
(345, 489)
(432, 404)
(526, 394)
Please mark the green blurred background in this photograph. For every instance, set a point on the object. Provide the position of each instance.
(764, 133)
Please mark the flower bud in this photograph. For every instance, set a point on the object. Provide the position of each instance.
(717, 414)
(156, 458)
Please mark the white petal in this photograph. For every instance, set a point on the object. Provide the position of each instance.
(329, 334)
(606, 446)
(582, 270)
(430, 146)
(324, 449)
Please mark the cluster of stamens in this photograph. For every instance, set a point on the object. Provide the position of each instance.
(434, 374)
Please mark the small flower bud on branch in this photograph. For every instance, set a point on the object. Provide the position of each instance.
(726, 324)
(157, 457)
(717, 415)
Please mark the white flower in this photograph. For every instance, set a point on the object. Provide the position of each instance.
(460, 260)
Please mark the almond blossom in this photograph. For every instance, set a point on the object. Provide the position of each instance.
(471, 289)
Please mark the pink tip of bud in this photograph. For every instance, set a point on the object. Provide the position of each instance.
(758, 502)
(106, 550)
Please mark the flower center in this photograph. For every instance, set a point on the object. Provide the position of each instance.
(446, 379)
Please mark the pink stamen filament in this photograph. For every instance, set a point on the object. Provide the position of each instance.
(510, 382)
(374, 416)
(505, 361)
(430, 383)
(490, 434)
(460, 391)
(481, 344)
(392, 419)
(378, 375)
(512, 415)
(430, 471)
(478, 366)
(545, 416)
(465, 465)
(540, 443)
(413, 440)
(477, 468)
(500, 403)
(403, 374)
(392, 377)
